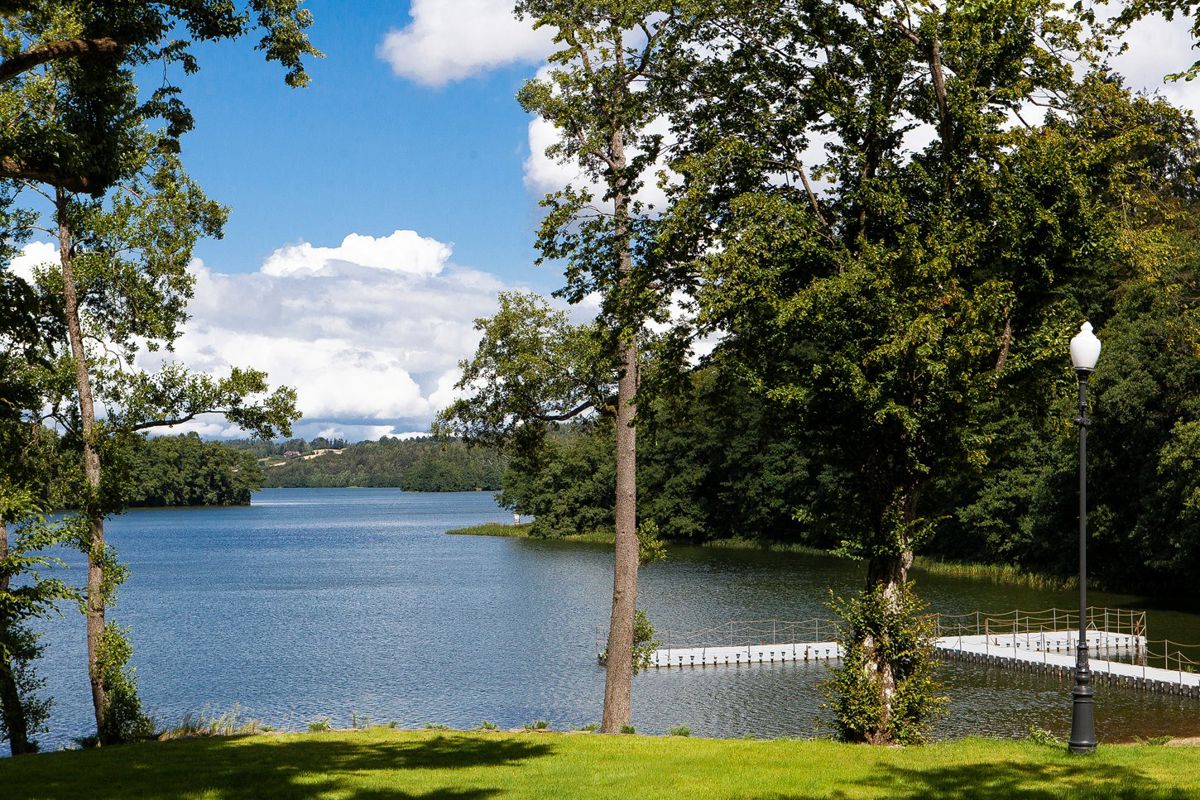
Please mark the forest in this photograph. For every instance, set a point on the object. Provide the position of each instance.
(422, 464)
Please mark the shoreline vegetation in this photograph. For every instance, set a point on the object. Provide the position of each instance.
(1004, 574)
(386, 762)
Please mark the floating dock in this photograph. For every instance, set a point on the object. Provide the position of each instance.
(1117, 644)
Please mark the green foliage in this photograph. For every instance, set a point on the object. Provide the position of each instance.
(488, 726)
(126, 722)
(680, 730)
(185, 471)
(568, 483)
(537, 725)
(228, 723)
(26, 595)
(1153, 741)
(77, 61)
(319, 725)
(628, 729)
(532, 369)
(644, 643)
(651, 547)
(884, 690)
(25, 712)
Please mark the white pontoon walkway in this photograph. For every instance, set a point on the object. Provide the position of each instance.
(1043, 641)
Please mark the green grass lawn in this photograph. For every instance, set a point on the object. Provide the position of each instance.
(385, 764)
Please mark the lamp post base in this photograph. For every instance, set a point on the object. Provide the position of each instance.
(1083, 722)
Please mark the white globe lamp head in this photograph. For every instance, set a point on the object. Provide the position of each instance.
(1085, 349)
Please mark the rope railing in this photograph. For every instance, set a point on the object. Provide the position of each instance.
(1175, 656)
(743, 633)
(1108, 620)
(748, 633)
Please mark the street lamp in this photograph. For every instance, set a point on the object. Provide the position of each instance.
(1085, 351)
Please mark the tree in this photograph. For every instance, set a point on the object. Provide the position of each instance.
(883, 290)
(123, 284)
(73, 128)
(601, 96)
(97, 44)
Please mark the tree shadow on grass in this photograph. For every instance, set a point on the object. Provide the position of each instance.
(257, 767)
(1081, 779)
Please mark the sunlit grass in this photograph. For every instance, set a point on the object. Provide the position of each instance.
(381, 763)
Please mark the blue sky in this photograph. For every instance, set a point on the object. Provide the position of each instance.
(361, 149)
(378, 212)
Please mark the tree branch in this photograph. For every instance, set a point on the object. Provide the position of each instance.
(574, 412)
(15, 169)
(53, 51)
(166, 423)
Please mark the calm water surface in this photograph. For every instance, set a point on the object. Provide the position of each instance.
(333, 602)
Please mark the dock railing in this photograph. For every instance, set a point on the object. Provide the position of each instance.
(978, 623)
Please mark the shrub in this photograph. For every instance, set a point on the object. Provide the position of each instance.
(126, 721)
(680, 730)
(886, 646)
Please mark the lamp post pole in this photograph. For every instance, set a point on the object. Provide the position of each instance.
(1085, 351)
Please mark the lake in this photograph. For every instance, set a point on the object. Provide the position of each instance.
(314, 603)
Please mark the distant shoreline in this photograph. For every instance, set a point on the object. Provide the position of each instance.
(1004, 574)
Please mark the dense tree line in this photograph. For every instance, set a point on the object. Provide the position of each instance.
(185, 471)
(414, 465)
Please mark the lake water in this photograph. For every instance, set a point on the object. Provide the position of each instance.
(332, 602)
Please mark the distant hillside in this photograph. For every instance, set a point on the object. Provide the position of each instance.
(415, 465)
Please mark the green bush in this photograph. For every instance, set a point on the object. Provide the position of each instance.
(126, 722)
(886, 647)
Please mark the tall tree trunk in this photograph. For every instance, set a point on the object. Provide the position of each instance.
(94, 605)
(10, 697)
(888, 574)
(618, 679)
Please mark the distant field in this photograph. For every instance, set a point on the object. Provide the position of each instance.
(385, 764)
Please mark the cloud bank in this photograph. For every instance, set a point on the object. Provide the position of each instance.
(369, 331)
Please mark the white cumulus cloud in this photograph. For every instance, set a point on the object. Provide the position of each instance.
(370, 332)
(402, 251)
(34, 254)
(448, 40)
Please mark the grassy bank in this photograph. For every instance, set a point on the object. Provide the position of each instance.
(522, 532)
(996, 573)
(384, 764)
